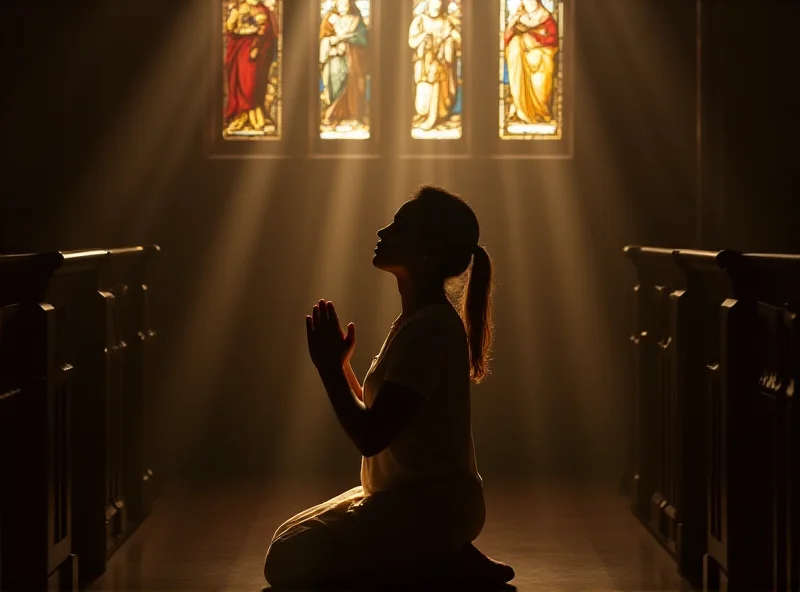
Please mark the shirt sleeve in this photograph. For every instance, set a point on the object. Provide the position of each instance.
(415, 357)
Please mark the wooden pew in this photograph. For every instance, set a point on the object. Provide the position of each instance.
(111, 342)
(761, 426)
(36, 393)
(88, 344)
(794, 481)
(752, 478)
(707, 288)
(125, 276)
(85, 341)
(628, 485)
(678, 294)
(774, 344)
(774, 285)
(76, 335)
(659, 293)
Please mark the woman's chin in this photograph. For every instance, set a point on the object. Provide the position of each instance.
(380, 262)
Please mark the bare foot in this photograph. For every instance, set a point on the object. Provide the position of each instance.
(468, 567)
(473, 565)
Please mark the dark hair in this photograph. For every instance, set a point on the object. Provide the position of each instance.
(452, 226)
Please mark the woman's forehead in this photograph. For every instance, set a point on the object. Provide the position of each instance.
(407, 210)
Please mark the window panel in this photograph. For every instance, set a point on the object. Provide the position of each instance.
(344, 82)
(531, 73)
(435, 41)
(252, 51)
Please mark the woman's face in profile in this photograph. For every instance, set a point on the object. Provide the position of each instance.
(399, 247)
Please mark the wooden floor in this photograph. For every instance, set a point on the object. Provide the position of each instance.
(558, 537)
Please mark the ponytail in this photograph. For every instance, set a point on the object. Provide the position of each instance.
(457, 241)
(476, 311)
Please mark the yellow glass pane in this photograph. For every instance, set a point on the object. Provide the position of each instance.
(531, 72)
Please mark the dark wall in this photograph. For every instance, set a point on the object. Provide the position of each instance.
(749, 177)
(104, 146)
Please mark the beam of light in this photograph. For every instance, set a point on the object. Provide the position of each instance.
(527, 348)
(584, 323)
(146, 213)
(333, 268)
(388, 299)
(207, 326)
(338, 273)
(658, 67)
(576, 245)
(205, 336)
(132, 168)
(402, 179)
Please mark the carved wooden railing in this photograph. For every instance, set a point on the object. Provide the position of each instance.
(707, 289)
(659, 290)
(714, 454)
(125, 277)
(753, 544)
(75, 343)
(35, 432)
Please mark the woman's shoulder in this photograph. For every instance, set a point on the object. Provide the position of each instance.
(436, 318)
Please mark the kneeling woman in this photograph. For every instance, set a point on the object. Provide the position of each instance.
(420, 504)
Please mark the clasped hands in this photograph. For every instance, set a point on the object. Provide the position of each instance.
(329, 346)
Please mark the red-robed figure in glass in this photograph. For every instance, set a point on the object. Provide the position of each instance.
(531, 44)
(252, 39)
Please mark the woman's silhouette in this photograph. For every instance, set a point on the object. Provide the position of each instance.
(420, 504)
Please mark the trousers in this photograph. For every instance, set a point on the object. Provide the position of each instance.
(357, 538)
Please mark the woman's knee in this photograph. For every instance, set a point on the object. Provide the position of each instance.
(280, 564)
(297, 557)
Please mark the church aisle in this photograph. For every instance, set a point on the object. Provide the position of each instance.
(557, 536)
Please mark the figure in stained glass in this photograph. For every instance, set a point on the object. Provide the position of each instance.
(530, 47)
(251, 65)
(344, 69)
(435, 38)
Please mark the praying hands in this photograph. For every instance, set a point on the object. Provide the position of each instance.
(328, 345)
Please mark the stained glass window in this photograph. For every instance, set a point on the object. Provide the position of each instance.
(344, 81)
(435, 41)
(531, 73)
(252, 52)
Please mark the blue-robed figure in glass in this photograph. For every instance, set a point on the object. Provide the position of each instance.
(344, 70)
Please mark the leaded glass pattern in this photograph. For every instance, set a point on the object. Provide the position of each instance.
(252, 54)
(434, 38)
(531, 72)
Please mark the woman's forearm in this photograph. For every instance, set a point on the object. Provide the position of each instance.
(350, 411)
(353, 381)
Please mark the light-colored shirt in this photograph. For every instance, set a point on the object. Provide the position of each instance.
(427, 352)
